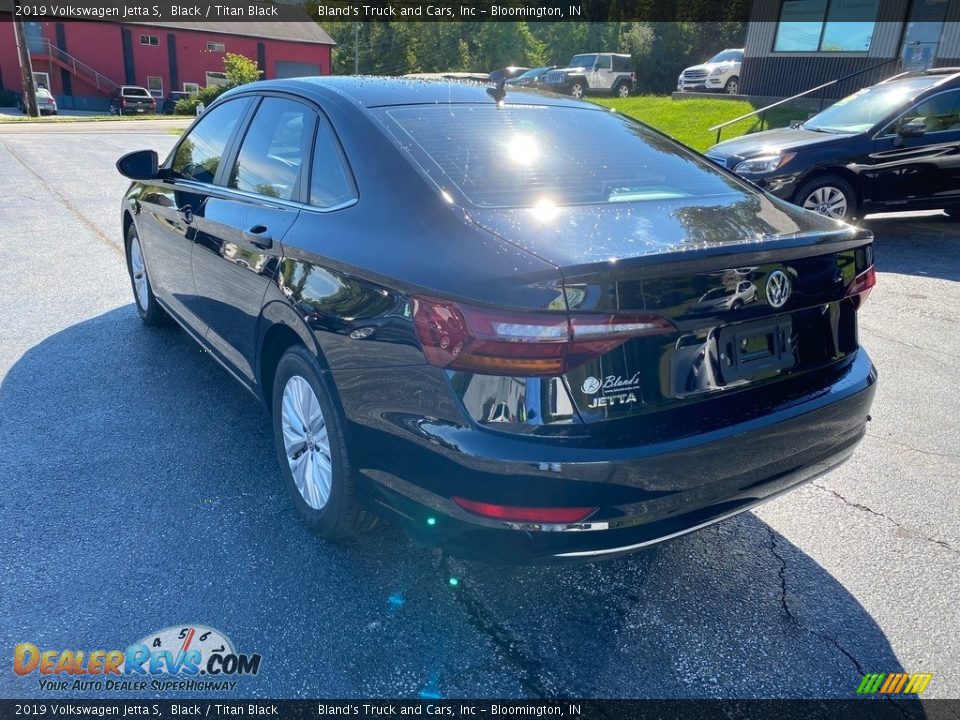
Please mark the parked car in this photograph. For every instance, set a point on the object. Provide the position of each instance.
(531, 78)
(593, 73)
(729, 296)
(892, 146)
(169, 106)
(132, 100)
(455, 321)
(507, 73)
(46, 103)
(721, 73)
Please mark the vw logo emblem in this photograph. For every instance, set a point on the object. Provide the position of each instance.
(778, 288)
(590, 385)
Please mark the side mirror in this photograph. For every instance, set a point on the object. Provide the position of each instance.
(913, 129)
(139, 165)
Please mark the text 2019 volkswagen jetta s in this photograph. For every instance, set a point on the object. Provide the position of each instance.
(487, 314)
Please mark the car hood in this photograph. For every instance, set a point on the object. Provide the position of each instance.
(771, 141)
(569, 70)
(578, 236)
(709, 67)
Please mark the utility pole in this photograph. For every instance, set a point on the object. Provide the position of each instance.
(26, 70)
(356, 48)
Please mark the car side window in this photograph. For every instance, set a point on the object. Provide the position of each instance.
(330, 181)
(199, 153)
(272, 151)
(938, 113)
(603, 62)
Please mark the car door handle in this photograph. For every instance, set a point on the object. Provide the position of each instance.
(186, 214)
(259, 235)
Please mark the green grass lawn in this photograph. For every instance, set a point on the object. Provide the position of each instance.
(87, 118)
(688, 120)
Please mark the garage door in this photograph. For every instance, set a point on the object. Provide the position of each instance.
(287, 69)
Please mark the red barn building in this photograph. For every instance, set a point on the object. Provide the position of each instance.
(83, 62)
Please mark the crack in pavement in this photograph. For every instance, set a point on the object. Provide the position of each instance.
(864, 508)
(788, 613)
(534, 677)
(66, 202)
(905, 446)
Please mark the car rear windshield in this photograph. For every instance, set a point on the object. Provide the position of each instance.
(525, 156)
(135, 92)
(861, 111)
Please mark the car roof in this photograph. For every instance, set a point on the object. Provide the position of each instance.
(374, 91)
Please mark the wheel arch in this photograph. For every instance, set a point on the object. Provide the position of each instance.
(280, 329)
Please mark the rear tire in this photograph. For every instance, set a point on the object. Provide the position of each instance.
(622, 90)
(311, 448)
(829, 195)
(147, 306)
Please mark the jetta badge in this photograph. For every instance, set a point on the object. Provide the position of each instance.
(778, 288)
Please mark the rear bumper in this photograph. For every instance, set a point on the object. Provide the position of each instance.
(644, 494)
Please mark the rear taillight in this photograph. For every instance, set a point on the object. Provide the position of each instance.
(519, 513)
(498, 342)
(861, 286)
(123, 102)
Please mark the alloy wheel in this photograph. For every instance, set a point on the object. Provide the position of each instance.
(827, 200)
(623, 91)
(733, 87)
(139, 271)
(577, 91)
(306, 442)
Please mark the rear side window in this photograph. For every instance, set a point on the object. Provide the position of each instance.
(330, 182)
(525, 156)
(622, 64)
(273, 149)
(198, 155)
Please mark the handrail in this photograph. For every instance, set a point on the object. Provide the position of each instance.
(719, 128)
(80, 69)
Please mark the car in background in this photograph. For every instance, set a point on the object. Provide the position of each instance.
(593, 73)
(458, 322)
(892, 146)
(169, 105)
(721, 73)
(132, 100)
(531, 78)
(508, 73)
(46, 103)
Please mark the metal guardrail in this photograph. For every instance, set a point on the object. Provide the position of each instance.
(762, 112)
(78, 68)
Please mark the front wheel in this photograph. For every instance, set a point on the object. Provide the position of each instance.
(311, 447)
(150, 311)
(733, 86)
(829, 195)
(576, 89)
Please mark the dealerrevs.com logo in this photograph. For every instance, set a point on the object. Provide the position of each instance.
(180, 658)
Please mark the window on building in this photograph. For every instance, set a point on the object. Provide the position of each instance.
(191, 87)
(826, 25)
(215, 46)
(149, 40)
(198, 155)
(273, 150)
(155, 85)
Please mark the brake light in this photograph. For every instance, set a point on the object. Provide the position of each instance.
(498, 342)
(526, 514)
(861, 286)
(123, 102)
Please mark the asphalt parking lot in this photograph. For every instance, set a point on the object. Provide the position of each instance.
(140, 490)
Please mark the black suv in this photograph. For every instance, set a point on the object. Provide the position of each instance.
(892, 146)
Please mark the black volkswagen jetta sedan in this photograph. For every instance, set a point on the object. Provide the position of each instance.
(892, 146)
(454, 319)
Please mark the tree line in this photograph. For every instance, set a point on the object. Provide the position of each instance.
(660, 50)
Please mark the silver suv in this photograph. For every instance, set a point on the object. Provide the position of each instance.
(607, 73)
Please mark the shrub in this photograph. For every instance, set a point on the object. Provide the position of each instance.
(188, 105)
(8, 98)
